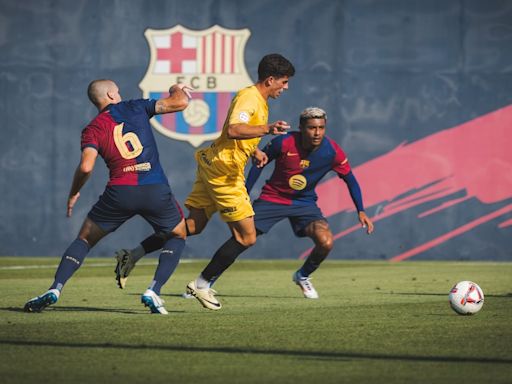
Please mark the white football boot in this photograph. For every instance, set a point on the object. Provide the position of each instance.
(154, 302)
(205, 296)
(305, 285)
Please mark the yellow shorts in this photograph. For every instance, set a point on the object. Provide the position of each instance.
(225, 194)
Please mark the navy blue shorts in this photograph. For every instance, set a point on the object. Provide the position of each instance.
(155, 203)
(266, 214)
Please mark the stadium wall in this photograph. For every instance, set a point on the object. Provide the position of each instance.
(417, 94)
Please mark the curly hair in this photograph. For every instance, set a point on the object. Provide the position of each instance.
(274, 65)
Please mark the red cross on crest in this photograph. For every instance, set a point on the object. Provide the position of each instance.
(176, 53)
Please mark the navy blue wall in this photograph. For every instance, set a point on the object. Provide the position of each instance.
(387, 72)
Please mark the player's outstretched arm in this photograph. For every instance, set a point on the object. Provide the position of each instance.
(245, 131)
(357, 198)
(179, 95)
(82, 174)
(365, 222)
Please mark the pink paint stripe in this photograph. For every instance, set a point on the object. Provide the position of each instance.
(349, 230)
(432, 190)
(506, 223)
(449, 235)
(443, 206)
(426, 199)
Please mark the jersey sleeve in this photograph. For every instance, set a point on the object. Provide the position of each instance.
(90, 137)
(149, 106)
(252, 177)
(340, 163)
(354, 190)
(244, 109)
(273, 148)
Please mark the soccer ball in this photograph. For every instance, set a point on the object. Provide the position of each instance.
(466, 298)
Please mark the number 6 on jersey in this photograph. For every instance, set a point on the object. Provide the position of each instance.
(129, 145)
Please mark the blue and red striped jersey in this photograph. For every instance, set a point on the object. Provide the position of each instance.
(298, 171)
(123, 137)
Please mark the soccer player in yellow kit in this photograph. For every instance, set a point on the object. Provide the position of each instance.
(220, 180)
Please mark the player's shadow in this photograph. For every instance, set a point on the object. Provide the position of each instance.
(180, 295)
(244, 296)
(264, 296)
(84, 309)
(304, 354)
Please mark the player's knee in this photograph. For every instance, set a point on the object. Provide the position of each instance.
(91, 233)
(247, 240)
(251, 241)
(325, 242)
(180, 231)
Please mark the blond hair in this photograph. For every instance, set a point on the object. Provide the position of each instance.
(312, 113)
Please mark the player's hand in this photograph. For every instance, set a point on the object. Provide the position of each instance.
(71, 203)
(366, 222)
(185, 88)
(259, 158)
(278, 128)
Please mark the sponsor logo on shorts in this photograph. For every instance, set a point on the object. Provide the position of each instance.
(228, 210)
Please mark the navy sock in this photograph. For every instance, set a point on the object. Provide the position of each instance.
(71, 260)
(167, 263)
(312, 263)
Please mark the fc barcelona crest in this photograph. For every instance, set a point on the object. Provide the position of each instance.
(211, 62)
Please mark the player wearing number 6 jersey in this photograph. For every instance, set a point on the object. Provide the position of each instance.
(121, 134)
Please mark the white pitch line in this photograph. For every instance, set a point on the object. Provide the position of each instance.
(93, 265)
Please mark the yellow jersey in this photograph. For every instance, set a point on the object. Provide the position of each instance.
(229, 156)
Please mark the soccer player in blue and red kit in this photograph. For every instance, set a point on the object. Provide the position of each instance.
(121, 134)
(301, 160)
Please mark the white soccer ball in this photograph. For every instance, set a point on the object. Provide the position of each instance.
(466, 298)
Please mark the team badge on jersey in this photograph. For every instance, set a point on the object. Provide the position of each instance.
(304, 164)
(210, 61)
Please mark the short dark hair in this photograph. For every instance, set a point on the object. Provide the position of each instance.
(97, 89)
(274, 65)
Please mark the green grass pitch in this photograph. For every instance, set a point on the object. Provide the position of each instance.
(375, 322)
